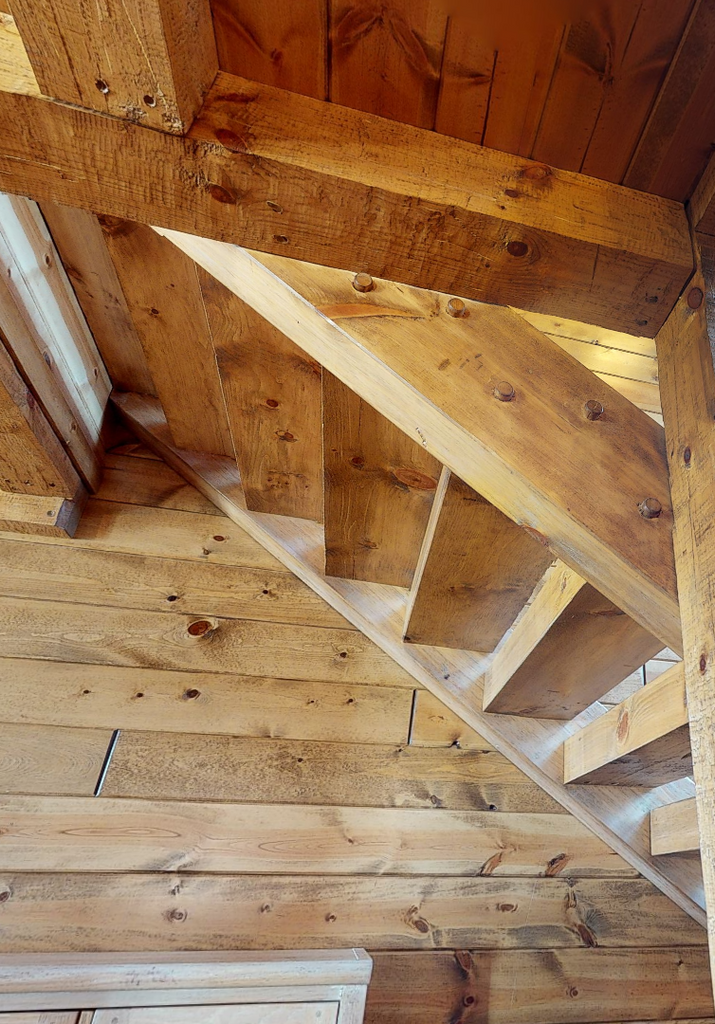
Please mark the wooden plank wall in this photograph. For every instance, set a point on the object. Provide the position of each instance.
(316, 800)
(621, 90)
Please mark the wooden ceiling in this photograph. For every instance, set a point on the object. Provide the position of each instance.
(622, 90)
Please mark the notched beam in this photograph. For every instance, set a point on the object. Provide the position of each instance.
(287, 174)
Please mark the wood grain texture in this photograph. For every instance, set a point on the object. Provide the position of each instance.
(80, 242)
(285, 45)
(674, 828)
(675, 146)
(434, 725)
(159, 766)
(571, 647)
(387, 60)
(563, 220)
(46, 516)
(16, 74)
(611, 64)
(643, 742)
(379, 487)
(563, 987)
(42, 759)
(476, 571)
(47, 339)
(618, 814)
(139, 639)
(688, 391)
(54, 572)
(98, 697)
(51, 834)
(150, 62)
(168, 533)
(274, 406)
(32, 460)
(265, 912)
(164, 299)
(150, 483)
(419, 369)
(50, 1017)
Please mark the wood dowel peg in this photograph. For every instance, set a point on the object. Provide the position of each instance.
(504, 391)
(650, 508)
(457, 307)
(363, 283)
(593, 409)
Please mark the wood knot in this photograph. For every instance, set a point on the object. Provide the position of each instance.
(413, 478)
(221, 194)
(537, 172)
(623, 726)
(200, 627)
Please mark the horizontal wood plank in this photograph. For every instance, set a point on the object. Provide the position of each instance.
(43, 759)
(564, 244)
(178, 911)
(51, 834)
(66, 573)
(525, 987)
(190, 643)
(160, 766)
(169, 533)
(102, 696)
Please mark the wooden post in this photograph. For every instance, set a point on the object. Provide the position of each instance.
(151, 61)
(687, 385)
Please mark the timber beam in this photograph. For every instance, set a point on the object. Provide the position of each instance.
(436, 377)
(283, 173)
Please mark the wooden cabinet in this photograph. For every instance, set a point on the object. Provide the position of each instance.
(306, 987)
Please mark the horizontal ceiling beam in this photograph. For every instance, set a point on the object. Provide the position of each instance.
(438, 378)
(283, 173)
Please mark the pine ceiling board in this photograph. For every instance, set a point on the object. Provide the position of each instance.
(526, 51)
(466, 83)
(387, 60)
(606, 79)
(281, 43)
(635, 84)
(677, 140)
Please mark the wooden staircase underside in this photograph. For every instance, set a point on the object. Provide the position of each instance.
(381, 393)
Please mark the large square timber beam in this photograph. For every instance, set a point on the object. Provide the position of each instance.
(498, 403)
(285, 174)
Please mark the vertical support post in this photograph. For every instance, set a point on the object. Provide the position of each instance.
(151, 61)
(687, 386)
